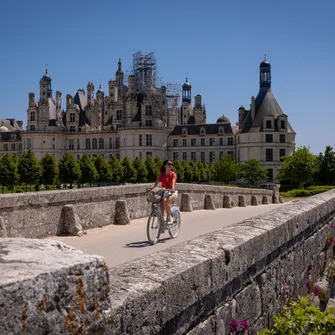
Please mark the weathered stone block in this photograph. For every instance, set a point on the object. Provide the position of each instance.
(227, 202)
(281, 199)
(69, 223)
(209, 203)
(241, 201)
(254, 201)
(121, 213)
(265, 200)
(275, 200)
(47, 287)
(207, 327)
(186, 205)
(3, 230)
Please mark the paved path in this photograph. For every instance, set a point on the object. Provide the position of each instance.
(120, 244)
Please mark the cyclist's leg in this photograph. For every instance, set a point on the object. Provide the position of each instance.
(170, 200)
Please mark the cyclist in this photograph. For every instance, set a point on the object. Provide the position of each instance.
(167, 178)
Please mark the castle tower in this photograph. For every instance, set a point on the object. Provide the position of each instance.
(187, 109)
(119, 75)
(90, 94)
(187, 92)
(45, 87)
(265, 75)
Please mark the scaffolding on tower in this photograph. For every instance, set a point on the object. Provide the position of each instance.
(144, 68)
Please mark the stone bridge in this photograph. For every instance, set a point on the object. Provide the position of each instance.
(196, 287)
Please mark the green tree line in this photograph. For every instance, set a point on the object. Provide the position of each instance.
(300, 169)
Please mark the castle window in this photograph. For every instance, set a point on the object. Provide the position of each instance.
(282, 124)
(220, 130)
(282, 153)
(20, 146)
(268, 138)
(139, 140)
(193, 142)
(149, 140)
(88, 144)
(202, 156)
(184, 132)
(202, 142)
(268, 124)
(212, 142)
(13, 147)
(184, 156)
(72, 117)
(32, 116)
(32, 127)
(148, 154)
(71, 145)
(117, 143)
(5, 147)
(175, 156)
(211, 156)
(53, 146)
(79, 129)
(101, 143)
(221, 141)
(94, 143)
(148, 110)
(230, 141)
(221, 154)
(175, 142)
(231, 153)
(282, 138)
(184, 142)
(269, 155)
(202, 131)
(72, 129)
(193, 156)
(148, 123)
(119, 115)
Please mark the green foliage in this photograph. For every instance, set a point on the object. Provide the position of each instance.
(202, 171)
(227, 170)
(88, 171)
(104, 173)
(302, 318)
(117, 170)
(69, 170)
(151, 168)
(253, 172)
(188, 172)
(129, 173)
(8, 172)
(158, 164)
(306, 192)
(298, 169)
(141, 169)
(210, 170)
(326, 167)
(196, 172)
(49, 170)
(29, 169)
(178, 168)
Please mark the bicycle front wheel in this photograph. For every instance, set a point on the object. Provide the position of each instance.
(174, 229)
(153, 228)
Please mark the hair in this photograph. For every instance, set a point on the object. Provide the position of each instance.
(162, 170)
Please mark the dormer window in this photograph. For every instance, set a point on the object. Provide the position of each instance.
(282, 124)
(202, 131)
(184, 131)
(220, 130)
(268, 124)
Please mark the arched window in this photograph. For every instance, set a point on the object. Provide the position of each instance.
(101, 143)
(88, 144)
(94, 143)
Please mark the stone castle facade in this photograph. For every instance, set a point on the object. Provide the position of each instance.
(140, 118)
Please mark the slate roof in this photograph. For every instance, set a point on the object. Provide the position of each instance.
(10, 124)
(194, 129)
(81, 102)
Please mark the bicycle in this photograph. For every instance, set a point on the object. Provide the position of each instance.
(156, 223)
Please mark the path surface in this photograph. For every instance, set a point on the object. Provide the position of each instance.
(120, 244)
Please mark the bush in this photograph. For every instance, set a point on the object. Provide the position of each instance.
(306, 192)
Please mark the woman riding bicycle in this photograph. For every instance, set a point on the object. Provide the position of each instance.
(168, 179)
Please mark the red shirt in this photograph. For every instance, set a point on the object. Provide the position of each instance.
(166, 179)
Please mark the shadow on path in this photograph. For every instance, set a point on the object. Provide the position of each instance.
(144, 244)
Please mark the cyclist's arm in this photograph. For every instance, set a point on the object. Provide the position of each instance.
(155, 183)
(173, 184)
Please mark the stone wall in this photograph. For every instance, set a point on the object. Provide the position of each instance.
(38, 214)
(240, 272)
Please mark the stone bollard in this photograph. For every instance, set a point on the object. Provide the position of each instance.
(265, 200)
(69, 222)
(275, 200)
(121, 213)
(185, 203)
(3, 230)
(226, 202)
(241, 201)
(254, 201)
(209, 203)
(281, 199)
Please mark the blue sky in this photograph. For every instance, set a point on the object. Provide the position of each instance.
(219, 43)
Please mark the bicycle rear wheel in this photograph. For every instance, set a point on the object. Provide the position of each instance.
(174, 228)
(153, 228)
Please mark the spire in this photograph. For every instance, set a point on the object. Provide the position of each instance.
(265, 74)
(119, 76)
(187, 91)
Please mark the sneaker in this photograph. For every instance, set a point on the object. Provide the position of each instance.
(169, 221)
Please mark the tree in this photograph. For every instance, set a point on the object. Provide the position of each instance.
(298, 169)
(88, 171)
(202, 171)
(227, 170)
(129, 173)
(49, 170)
(104, 173)
(69, 171)
(188, 172)
(29, 169)
(253, 172)
(326, 167)
(116, 170)
(158, 164)
(210, 169)
(8, 172)
(178, 168)
(151, 168)
(142, 172)
(196, 173)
